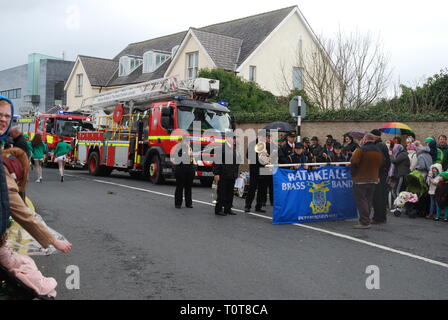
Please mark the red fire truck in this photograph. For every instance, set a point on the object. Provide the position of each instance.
(140, 132)
(52, 126)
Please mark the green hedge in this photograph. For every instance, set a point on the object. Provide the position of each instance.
(339, 115)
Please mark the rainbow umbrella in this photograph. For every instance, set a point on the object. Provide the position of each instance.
(396, 128)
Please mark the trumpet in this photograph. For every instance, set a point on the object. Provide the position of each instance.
(263, 156)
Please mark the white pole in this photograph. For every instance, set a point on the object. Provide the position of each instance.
(307, 164)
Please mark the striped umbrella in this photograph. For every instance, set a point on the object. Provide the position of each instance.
(396, 128)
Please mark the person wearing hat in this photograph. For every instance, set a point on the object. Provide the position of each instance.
(287, 149)
(12, 180)
(316, 151)
(338, 155)
(328, 150)
(306, 146)
(436, 153)
(442, 197)
(381, 190)
(298, 155)
(184, 171)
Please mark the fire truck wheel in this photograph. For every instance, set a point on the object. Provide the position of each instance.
(94, 164)
(154, 170)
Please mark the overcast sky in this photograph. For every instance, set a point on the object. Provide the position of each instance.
(414, 33)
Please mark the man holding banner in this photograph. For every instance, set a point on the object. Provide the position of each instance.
(365, 169)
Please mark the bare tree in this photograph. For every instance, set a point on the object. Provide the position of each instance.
(350, 71)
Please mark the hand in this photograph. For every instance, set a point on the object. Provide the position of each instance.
(63, 246)
(217, 178)
(325, 155)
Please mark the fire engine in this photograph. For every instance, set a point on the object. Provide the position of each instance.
(52, 126)
(137, 135)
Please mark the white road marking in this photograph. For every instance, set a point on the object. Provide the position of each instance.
(335, 234)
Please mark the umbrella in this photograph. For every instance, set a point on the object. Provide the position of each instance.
(357, 134)
(396, 128)
(279, 126)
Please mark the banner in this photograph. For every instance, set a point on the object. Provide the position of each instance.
(302, 196)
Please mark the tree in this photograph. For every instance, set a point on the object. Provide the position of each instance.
(348, 71)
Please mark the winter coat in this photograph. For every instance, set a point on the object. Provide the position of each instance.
(402, 164)
(366, 164)
(412, 154)
(424, 160)
(24, 216)
(445, 156)
(442, 194)
(228, 171)
(433, 180)
(386, 157)
(316, 152)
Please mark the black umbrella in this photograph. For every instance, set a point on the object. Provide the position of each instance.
(356, 134)
(279, 126)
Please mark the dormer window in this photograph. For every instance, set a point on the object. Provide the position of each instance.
(153, 59)
(128, 64)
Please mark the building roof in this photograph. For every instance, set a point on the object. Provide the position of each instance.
(229, 44)
(223, 50)
(99, 70)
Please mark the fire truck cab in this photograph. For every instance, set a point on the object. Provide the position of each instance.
(140, 134)
(52, 126)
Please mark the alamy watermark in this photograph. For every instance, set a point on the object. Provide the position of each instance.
(373, 280)
(219, 144)
(73, 281)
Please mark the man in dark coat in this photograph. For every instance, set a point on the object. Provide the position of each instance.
(316, 151)
(365, 168)
(257, 183)
(184, 171)
(225, 174)
(381, 190)
(287, 149)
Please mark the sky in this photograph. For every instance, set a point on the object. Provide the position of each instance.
(414, 34)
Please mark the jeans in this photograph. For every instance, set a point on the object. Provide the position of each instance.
(433, 204)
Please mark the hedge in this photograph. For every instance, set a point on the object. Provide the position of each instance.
(339, 115)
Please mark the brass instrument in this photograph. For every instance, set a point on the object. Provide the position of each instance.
(263, 156)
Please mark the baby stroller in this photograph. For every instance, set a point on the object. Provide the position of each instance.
(413, 201)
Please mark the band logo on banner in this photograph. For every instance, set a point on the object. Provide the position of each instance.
(323, 194)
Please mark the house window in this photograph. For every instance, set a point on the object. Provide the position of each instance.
(252, 73)
(192, 65)
(128, 65)
(153, 60)
(297, 78)
(79, 80)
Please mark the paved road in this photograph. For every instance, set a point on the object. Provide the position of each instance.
(131, 243)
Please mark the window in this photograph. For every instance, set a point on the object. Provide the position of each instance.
(79, 80)
(252, 73)
(192, 65)
(297, 78)
(153, 60)
(12, 94)
(128, 65)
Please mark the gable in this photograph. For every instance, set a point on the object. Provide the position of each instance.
(190, 44)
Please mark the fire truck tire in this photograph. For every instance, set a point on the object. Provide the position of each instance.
(93, 164)
(154, 170)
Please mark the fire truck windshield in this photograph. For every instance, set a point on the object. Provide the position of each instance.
(210, 119)
(67, 128)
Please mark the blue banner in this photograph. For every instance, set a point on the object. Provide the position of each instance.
(302, 196)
